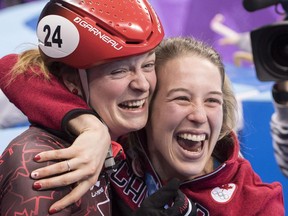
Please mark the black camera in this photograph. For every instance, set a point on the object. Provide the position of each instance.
(269, 44)
(270, 51)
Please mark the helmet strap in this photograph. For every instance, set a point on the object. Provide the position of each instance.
(85, 84)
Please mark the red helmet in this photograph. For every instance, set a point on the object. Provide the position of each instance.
(83, 33)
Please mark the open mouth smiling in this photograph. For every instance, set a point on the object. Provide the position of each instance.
(131, 105)
(191, 142)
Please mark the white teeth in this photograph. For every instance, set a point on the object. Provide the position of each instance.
(192, 137)
(133, 104)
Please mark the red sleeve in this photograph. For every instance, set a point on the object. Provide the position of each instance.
(47, 103)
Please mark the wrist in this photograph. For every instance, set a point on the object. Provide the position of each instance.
(86, 122)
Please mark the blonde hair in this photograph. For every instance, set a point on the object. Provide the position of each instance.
(171, 48)
(30, 60)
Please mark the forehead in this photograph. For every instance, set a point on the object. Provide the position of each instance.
(129, 60)
(129, 63)
(189, 67)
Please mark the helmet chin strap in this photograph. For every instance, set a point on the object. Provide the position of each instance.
(85, 84)
(109, 161)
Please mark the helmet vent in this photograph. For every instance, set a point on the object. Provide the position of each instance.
(105, 28)
(132, 42)
(108, 30)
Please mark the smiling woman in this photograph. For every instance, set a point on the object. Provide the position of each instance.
(197, 106)
(197, 144)
(126, 103)
(118, 92)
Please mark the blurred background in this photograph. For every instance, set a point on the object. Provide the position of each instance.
(225, 24)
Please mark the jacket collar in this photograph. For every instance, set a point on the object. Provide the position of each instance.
(227, 151)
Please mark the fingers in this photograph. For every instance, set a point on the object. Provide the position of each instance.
(182, 206)
(57, 181)
(83, 174)
(54, 169)
(163, 196)
(58, 154)
(72, 197)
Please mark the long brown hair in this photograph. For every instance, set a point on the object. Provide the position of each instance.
(171, 48)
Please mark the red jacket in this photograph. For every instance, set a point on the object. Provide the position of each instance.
(233, 188)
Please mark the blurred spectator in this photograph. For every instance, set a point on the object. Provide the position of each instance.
(10, 116)
(8, 3)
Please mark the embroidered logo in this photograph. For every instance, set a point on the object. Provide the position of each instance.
(223, 193)
(96, 190)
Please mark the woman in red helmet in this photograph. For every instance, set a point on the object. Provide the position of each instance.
(102, 52)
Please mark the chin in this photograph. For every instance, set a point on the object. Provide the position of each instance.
(188, 173)
(133, 128)
(138, 123)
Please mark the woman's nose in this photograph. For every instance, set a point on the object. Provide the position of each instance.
(140, 82)
(197, 114)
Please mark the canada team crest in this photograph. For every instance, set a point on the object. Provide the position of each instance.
(224, 193)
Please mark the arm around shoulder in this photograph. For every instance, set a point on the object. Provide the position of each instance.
(36, 97)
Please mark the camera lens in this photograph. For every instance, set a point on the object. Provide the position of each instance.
(279, 50)
(270, 51)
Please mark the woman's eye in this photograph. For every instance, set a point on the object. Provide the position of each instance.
(214, 100)
(117, 72)
(149, 66)
(182, 98)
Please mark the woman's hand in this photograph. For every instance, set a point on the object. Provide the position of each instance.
(82, 162)
(157, 203)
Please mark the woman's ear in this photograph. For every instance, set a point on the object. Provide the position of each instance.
(72, 81)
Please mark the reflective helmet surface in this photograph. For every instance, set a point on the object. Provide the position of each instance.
(84, 33)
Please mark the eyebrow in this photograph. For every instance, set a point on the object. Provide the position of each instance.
(216, 92)
(187, 91)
